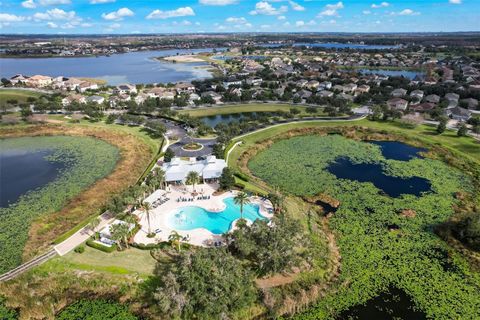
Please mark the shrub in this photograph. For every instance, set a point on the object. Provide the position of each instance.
(80, 249)
(241, 176)
(96, 310)
(101, 247)
(150, 246)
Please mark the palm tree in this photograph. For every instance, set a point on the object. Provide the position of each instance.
(120, 233)
(146, 207)
(192, 178)
(175, 238)
(241, 199)
(92, 225)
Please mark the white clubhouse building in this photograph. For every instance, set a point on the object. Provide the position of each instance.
(209, 169)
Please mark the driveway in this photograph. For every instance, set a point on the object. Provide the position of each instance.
(174, 130)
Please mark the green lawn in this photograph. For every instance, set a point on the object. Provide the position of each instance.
(251, 107)
(129, 261)
(16, 94)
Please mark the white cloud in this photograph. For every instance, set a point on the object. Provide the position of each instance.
(5, 17)
(265, 26)
(86, 25)
(240, 20)
(54, 2)
(180, 12)
(299, 23)
(29, 4)
(217, 2)
(115, 25)
(52, 25)
(56, 14)
(336, 6)
(101, 1)
(366, 12)
(286, 24)
(311, 23)
(455, 1)
(408, 12)
(118, 15)
(295, 6)
(331, 9)
(281, 17)
(381, 5)
(266, 8)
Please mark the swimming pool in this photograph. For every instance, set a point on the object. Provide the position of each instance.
(192, 217)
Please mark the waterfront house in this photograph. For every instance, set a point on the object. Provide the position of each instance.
(458, 113)
(18, 79)
(39, 81)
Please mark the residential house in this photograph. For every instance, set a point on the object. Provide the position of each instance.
(417, 95)
(233, 82)
(125, 89)
(87, 85)
(96, 99)
(422, 107)
(215, 96)
(71, 84)
(362, 89)
(349, 88)
(458, 113)
(399, 92)
(73, 98)
(313, 85)
(432, 98)
(471, 103)
(184, 87)
(39, 81)
(161, 93)
(398, 104)
(18, 79)
(254, 81)
(325, 94)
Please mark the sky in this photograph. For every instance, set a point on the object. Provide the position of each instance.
(214, 16)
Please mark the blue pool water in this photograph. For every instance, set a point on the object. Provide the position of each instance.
(189, 218)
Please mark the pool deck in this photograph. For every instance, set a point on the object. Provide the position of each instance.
(199, 237)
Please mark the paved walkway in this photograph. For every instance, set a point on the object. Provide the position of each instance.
(81, 236)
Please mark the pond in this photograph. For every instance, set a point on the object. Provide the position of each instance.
(133, 67)
(395, 150)
(213, 120)
(344, 168)
(393, 304)
(409, 74)
(22, 171)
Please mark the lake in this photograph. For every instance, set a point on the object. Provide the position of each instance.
(393, 304)
(22, 171)
(395, 150)
(344, 168)
(133, 67)
(409, 74)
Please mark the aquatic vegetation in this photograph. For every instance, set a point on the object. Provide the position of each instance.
(380, 247)
(86, 160)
